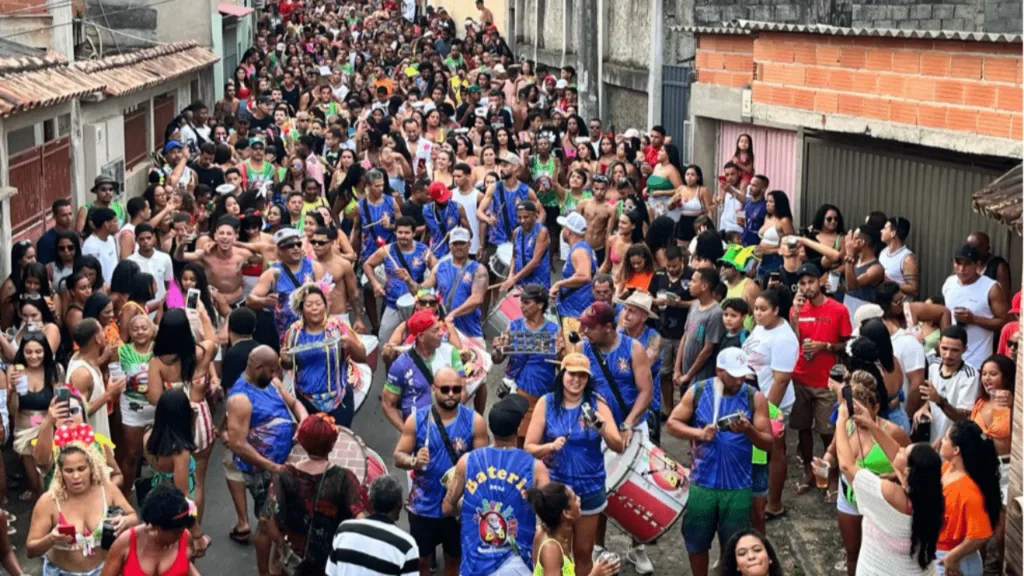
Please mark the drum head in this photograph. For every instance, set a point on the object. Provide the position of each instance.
(504, 252)
(406, 301)
(618, 465)
(349, 452)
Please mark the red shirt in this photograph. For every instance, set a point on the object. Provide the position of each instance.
(651, 155)
(829, 323)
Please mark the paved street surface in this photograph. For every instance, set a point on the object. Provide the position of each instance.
(807, 538)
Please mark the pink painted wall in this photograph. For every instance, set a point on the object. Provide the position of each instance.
(774, 155)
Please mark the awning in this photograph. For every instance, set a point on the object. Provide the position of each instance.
(1002, 199)
(229, 9)
(133, 71)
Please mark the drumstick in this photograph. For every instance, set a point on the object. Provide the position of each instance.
(441, 243)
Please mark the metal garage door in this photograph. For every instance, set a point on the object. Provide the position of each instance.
(933, 192)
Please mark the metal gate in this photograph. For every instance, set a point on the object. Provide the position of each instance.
(675, 105)
(230, 42)
(933, 193)
(41, 175)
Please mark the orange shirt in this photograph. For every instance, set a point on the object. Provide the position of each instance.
(966, 518)
(640, 280)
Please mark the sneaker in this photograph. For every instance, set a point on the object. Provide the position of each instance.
(638, 556)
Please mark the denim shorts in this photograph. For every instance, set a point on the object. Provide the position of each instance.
(52, 570)
(759, 480)
(593, 503)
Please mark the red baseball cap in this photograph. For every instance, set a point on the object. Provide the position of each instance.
(439, 192)
(420, 322)
(599, 314)
(1015, 303)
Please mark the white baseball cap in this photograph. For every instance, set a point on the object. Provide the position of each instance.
(561, 84)
(574, 222)
(459, 234)
(285, 234)
(734, 361)
(499, 69)
(225, 189)
(632, 133)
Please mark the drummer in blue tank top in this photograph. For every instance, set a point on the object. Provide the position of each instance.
(531, 244)
(487, 492)
(573, 290)
(406, 262)
(566, 431)
(376, 218)
(442, 216)
(720, 478)
(497, 208)
(637, 310)
(276, 284)
(423, 449)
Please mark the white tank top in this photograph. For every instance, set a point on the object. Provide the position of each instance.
(468, 203)
(974, 297)
(692, 207)
(99, 420)
(893, 263)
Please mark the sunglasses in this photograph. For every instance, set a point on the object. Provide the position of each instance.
(290, 245)
(430, 303)
(446, 390)
(105, 189)
(831, 218)
(319, 242)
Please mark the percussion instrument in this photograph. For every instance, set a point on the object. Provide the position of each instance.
(647, 489)
(501, 262)
(406, 303)
(370, 344)
(379, 273)
(571, 333)
(357, 375)
(525, 342)
(351, 453)
(328, 342)
(509, 308)
(477, 362)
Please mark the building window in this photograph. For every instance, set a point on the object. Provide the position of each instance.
(63, 125)
(135, 148)
(21, 140)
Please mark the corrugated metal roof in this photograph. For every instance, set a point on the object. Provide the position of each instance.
(133, 71)
(1002, 199)
(748, 26)
(29, 82)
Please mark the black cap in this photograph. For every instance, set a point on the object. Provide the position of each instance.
(535, 293)
(808, 269)
(506, 415)
(968, 252)
(526, 205)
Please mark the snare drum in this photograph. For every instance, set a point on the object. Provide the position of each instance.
(509, 309)
(647, 489)
(501, 262)
(379, 273)
(405, 304)
(352, 453)
(370, 344)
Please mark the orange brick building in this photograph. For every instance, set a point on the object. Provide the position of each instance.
(907, 122)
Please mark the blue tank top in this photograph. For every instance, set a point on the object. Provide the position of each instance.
(644, 339)
(572, 302)
(440, 222)
(497, 520)
(723, 463)
(468, 324)
(283, 315)
(319, 374)
(579, 463)
(427, 490)
(371, 214)
(270, 426)
(506, 200)
(525, 244)
(531, 372)
(620, 364)
(417, 261)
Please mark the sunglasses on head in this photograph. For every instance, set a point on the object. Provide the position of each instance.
(450, 389)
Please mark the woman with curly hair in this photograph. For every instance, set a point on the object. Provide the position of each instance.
(81, 497)
(321, 372)
(162, 545)
(970, 487)
(70, 414)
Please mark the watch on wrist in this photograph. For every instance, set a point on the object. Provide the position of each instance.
(625, 426)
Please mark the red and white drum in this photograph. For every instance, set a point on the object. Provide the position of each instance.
(509, 308)
(371, 344)
(352, 453)
(647, 489)
(477, 362)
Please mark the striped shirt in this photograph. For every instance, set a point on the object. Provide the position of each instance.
(370, 547)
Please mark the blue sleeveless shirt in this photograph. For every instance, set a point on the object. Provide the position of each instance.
(506, 200)
(320, 373)
(417, 261)
(427, 490)
(283, 315)
(531, 372)
(722, 462)
(370, 213)
(496, 520)
(270, 426)
(580, 463)
(644, 339)
(468, 324)
(525, 244)
(572, 305)
(440, 222)
(620, 364)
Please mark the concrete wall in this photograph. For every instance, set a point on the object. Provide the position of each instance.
(552, 19)
(28, 29)
(139, 25)
(627, 36)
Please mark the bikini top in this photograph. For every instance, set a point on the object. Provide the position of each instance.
(568, 567)
(87, 542)
(1000, 427)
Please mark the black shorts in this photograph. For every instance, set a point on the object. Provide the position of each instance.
(599, 255)
(429, 532)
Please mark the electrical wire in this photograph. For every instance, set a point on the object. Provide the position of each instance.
(120, 33)
(73, 20)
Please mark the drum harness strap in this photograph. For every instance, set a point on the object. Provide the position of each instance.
(611, 381)
(504, 209)
(422, 366)
(455, 284)
(699, 389)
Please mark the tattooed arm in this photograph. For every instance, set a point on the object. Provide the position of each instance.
(476, 296)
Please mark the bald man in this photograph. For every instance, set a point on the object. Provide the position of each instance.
(259, 407)
(995, 267)
(430, 454)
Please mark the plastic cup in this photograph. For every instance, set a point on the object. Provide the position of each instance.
(116, 372)
(821, 475)
(21, 384)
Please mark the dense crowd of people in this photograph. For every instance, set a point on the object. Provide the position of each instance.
(377, 184)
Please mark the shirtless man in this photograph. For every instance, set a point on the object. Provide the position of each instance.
(600, 217)
(346, 290)
(223, 261)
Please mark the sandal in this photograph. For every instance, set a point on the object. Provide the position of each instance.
(769, 515)
(240, 536)
(831, 496)
(802, 488)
